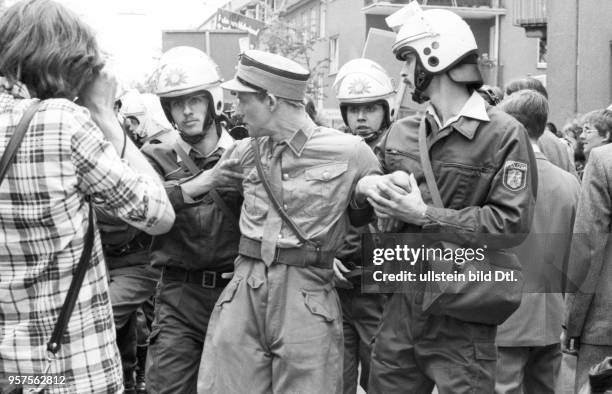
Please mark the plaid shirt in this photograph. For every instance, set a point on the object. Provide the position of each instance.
(43, 221)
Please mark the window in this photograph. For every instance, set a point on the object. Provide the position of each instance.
(313, 23)
(320, 91)
(322, 15)
(542, 51)
(303, 24)
(334, 55)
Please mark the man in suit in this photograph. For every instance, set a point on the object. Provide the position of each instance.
(528, 349)
(589, 318)
(555, 150)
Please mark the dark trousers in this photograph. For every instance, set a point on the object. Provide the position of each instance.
(126, 342)
(182, 312)
(361, 315)
(413, 351)
(131, 287)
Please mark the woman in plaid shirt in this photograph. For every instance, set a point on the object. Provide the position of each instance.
(69, 153)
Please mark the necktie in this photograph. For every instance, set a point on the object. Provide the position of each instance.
(273, 223)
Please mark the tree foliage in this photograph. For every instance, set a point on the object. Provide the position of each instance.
(285, 38)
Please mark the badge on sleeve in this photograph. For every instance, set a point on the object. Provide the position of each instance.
(515, 175)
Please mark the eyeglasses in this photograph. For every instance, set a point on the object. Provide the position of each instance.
(587, 130)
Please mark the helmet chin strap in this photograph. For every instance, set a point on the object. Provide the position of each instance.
(194, 139)
(422, 79)
(370, 136)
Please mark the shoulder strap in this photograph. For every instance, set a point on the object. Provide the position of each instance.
(55, 342)
(216, 197)
(191, 165)
(17, 138)
(273, 199)
(426, 165)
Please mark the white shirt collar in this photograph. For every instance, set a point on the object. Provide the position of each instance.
(224, 142)
(474, 108)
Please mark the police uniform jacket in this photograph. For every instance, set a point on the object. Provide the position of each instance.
(203, 236)
(484, 167)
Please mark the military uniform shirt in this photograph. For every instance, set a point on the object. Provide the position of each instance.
(320, 169)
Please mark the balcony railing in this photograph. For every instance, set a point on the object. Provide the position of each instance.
(529, 13)
(446, 3)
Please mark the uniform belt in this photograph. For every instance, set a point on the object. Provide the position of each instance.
(304, 256)
(207, 279)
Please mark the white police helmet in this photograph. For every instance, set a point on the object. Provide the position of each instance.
(362, 81)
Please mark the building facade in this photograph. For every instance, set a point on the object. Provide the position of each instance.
(337, 31)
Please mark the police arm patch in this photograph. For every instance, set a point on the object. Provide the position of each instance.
(515, 175)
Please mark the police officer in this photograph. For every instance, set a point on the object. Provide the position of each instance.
(366, 94)
(203, 243)
(142, 114)
(472, 148)
(277, 325)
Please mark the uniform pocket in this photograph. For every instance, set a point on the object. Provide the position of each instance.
(325, 172)
(466, 182)
(324, 182)
(228, 293)
(315, 303)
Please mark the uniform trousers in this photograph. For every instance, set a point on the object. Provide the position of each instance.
(130, 287)
(361, 313)
(413, 351)
(275, 329)
(182, 313)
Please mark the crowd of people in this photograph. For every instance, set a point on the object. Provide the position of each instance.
(227, 254)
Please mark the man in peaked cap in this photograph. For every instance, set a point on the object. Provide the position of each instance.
(277, 326)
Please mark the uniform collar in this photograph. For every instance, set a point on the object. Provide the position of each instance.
(225, 141)
(298, 140)
(469, 117)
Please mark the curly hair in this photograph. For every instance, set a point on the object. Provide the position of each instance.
(601, 119)
(48, 48)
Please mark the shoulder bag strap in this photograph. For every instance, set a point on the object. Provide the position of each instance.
(17, 138)
(273, 199)
(55, 342)
(426, 165)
